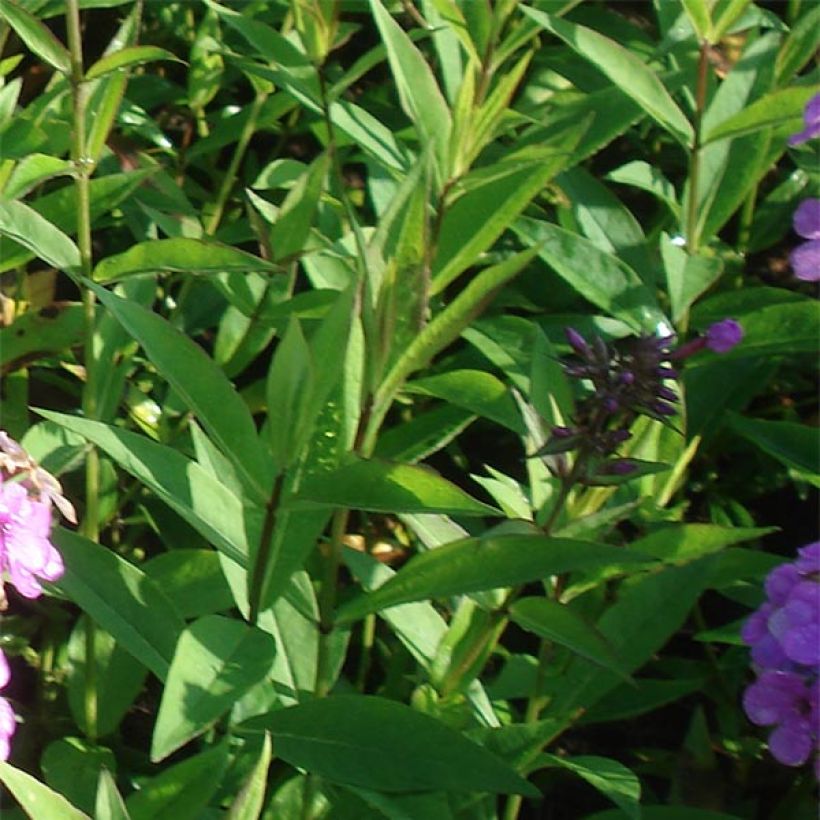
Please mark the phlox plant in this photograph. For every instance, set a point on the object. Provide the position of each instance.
(435, 384)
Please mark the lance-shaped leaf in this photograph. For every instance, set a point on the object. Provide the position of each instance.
(201, 385)
(206, 504)
(627, 71)
(557, 622)
(25, 226)
(36, 36)
(179, 255)
(216, 661)
(127, 57)
(121, 598)
(475, 564)
(382, 744)
(36, 798)
(380, 486)
(795, 445)
(250, 799)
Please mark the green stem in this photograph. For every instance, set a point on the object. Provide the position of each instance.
(367, 642)
(327, 601)
(747, 214)
(229, 180)
(692, 238)
(82, 168)
(263, 551)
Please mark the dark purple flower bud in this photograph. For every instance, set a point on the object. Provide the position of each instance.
(666, 393)
(627, 377)
(619, 467)
(577, 342)
(620, 436)
(562, 432)
(577, 371)
(724, 335)
(610, 404)
(666, 373)
(664, 409)
(811, 122)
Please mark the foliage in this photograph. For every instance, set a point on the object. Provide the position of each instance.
(285, 290)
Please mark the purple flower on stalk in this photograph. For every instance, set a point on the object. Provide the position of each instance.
(805, 258)
(784, 634)
(724, 335)
(811, 122)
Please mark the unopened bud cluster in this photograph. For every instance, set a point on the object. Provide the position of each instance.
(631, 378)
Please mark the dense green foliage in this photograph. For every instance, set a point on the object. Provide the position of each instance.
(285, 290)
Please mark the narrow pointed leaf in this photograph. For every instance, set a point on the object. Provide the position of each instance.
(126, 57)
(380, 486)
(217, 659)
(121, 598)
(109, 804)
(475, 564)
(248, 803)
(557, 622)
(383, 745)
(36, 798)
(203, 387)
(36, 36)
(206, 504)
(179, 255)
(627, 71)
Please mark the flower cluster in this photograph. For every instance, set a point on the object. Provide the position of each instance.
(27, 555)
(630, 378)
(805, 258)
(784, 634)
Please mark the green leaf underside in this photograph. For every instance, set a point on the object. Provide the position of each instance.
(476, 564)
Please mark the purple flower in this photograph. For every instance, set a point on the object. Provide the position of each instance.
(784, 634)
(805, 258)
(811, 122)
(722, 336)
(7, 721)
(26, 553)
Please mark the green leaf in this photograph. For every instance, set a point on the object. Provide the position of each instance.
(474, 390)
(193, 579)
(628, 72)
(446, 327)
(475, 564)
(380, 486)
(418, 91)
(31, 171)
(698, 12)
(178, 255)
(292, 226)
(687, 276)
(383, 745)
(611, 778)
(217, 660)
(70, 766)
(109, 804)
(25, 226)
(728, 14)
(665, 813)
(778, 108)
(36, 36)
(37, 799)
(557, 622)
(677, 543)
(799, 46)
(181, 791)
(120, 677)
(250, 799)
(121, 599)
(36, 333)
(478, 217)
(126, 57)
(795, 445)
(642, 175)
(201, 385)
(210, 507)
(602, 278)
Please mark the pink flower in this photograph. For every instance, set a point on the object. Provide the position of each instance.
(7, 721)
(26, 553)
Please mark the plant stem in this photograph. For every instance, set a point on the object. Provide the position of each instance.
(82, 168)
(692, 231)
(229, 179)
